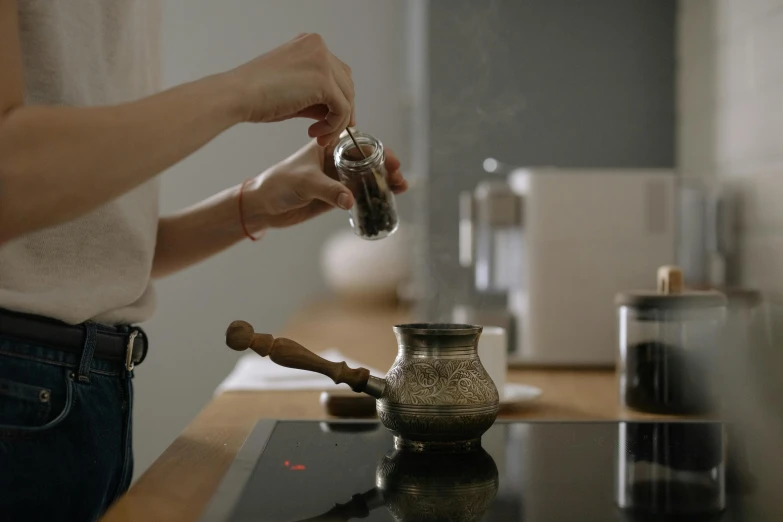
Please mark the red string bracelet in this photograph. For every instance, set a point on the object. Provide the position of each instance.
(242, 213)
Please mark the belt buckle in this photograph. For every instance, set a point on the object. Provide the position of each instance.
(129, 364)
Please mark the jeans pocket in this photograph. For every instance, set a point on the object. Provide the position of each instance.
(34, 396)
(24, 404)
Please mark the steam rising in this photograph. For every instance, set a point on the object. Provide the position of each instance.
(751, 385)
(469, 99)
(478, 101)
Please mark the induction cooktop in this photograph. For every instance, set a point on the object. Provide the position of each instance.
(291, 471)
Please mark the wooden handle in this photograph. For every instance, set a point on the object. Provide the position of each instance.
(285, 352)
(669, 280)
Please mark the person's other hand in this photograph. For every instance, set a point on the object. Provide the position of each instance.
(299, 79)
(305, 185)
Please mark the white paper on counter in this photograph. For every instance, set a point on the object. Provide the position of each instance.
(253, 372)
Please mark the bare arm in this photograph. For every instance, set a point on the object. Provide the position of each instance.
(199, 232)
(299, 188)
(58, 163)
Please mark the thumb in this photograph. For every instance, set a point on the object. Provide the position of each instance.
(318, 185)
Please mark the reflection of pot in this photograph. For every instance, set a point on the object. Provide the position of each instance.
(436, 396)
(426, 487)
(438, 487)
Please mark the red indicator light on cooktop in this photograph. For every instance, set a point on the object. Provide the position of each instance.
(298, 467)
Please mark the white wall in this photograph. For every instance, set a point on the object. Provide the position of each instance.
(263, 282)
(731, 118)
(731, 127)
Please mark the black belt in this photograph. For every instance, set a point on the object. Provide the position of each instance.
(127, 345)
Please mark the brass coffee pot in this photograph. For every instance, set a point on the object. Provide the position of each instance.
(437, 396)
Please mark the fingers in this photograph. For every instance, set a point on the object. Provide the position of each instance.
(330, 169)
(396, 180)
(392, 162)
(327, 131)
(329, 93)
(340, 103)
(399, 187)
(344, 78)
(316, 185)
(315, 112)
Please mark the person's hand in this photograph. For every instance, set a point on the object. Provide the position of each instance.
(300, 79)
(304, 186)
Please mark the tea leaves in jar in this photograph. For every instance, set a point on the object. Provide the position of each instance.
(374, 215)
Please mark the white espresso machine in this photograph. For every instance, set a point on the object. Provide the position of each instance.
(561, 243)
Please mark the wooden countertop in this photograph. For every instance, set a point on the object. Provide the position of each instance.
(179, 485)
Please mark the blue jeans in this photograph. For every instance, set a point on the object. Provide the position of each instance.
(65, 444)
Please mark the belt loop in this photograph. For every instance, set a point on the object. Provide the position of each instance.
(90, 334)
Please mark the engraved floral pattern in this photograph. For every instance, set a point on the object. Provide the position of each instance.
(440, 382)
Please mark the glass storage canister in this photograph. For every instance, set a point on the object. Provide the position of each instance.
(669, 349)
(671, 469)
(374, 215)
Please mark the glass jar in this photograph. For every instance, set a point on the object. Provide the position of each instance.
(670, 345)
(671, 469)
(374, 215)
(746, 347)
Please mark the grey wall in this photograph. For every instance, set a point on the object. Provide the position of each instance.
(267, 281)
(568, 83)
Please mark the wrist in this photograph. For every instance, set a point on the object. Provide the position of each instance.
(230, 97)
(253, 221)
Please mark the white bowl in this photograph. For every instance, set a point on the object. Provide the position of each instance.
(359, 269)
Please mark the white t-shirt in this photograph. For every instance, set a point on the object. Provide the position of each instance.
(82, 53)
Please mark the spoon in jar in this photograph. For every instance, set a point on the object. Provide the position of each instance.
(355, 143)
(364, 181)
(380, 180)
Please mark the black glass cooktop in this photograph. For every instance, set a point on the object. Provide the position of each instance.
(527, 471)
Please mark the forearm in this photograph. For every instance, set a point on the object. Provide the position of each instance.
(57, 163)
(201, 231)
